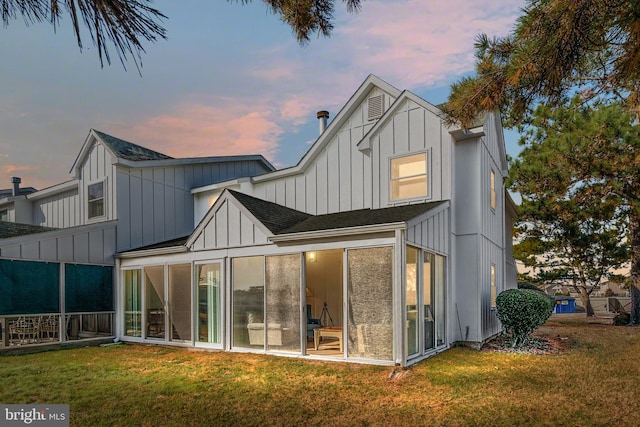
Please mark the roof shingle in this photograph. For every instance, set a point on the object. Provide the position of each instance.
(128, 150)
(15, 229)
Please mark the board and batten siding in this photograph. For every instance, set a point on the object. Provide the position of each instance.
(412, 130)
(155, 203)
(339, 177)
(94, 244)
(59, 211)
(228, 227)
(431, 233)
(97, 167)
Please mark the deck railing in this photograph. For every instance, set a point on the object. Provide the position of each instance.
(35, 329)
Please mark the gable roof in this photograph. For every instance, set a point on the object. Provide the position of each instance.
(16, 229)
(334, 126)
(128, 150)
(274, 216)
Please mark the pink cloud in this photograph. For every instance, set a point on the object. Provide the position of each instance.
(421, 43)
(196, 130)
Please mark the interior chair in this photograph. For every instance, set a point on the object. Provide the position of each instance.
(312, 323)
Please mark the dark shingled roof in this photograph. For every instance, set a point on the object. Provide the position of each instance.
(15, 229)
(275, 217)
(128, 150)
(282, 220)
(180, 241)
(360, 218)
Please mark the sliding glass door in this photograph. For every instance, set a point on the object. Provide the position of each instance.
(209, 280)
(283, 275)
(155, 302)
(180, 302)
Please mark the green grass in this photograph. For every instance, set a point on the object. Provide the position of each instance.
(594, 381)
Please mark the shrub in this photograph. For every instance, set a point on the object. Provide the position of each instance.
(522, 311)
(622, 318)
(609, 293)
(525, 285)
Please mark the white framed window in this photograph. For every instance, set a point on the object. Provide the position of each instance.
(4, 215)
(493, 189)
(493, 285)
(95, 200)
(409, 177)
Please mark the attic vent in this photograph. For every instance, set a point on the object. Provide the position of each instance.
(376, 107)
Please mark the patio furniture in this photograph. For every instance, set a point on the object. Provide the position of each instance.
(24, 330)
(311, 323)
(331, 332)
(49, 327)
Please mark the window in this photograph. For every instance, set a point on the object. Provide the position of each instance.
(4, 215)
(95, 199)
(493, 285)
(409, 177)
(493, 190)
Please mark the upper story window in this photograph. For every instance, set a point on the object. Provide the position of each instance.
(409, 176)
(95, 200)
(4, 215)
(493, 190)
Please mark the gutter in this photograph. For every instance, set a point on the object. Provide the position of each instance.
(338, 232)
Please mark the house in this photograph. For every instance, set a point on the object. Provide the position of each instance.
(387, 243)
(57, 245)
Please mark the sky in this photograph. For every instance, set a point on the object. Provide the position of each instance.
(230, 79)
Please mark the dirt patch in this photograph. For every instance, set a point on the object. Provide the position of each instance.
(539, 343)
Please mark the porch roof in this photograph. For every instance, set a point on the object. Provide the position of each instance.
(16, 229)
(360, 218)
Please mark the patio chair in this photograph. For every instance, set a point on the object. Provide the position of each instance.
(49, 327)
(26, 329)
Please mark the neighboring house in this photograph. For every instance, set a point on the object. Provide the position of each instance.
(57, 245)
(394, 230)
(616, 290)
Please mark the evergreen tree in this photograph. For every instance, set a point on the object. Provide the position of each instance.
(573, 176)
(128, 23)
(559, 48)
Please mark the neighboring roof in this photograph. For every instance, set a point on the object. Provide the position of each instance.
(128, 150)
(15, 229)
(274, 216)
(360, 217)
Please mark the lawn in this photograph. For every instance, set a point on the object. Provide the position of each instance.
(593, 380)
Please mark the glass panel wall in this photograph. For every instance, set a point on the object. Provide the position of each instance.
(155, 301)
(427, 290)
(283, 302)
(133, 303)
(370, 303)
(411, 291)
(208, 295)
(180, 302)
(248, 302)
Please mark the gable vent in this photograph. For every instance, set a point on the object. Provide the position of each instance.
(376, 107)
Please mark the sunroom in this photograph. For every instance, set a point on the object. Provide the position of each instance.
(258, 277)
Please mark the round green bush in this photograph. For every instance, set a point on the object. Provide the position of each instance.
(522, 311)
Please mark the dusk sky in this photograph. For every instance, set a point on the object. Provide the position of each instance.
(230, 79)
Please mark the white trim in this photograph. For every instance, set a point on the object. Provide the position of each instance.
(55, 189)
(338, 232)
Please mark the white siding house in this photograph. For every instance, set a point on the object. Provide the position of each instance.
(385, 244)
